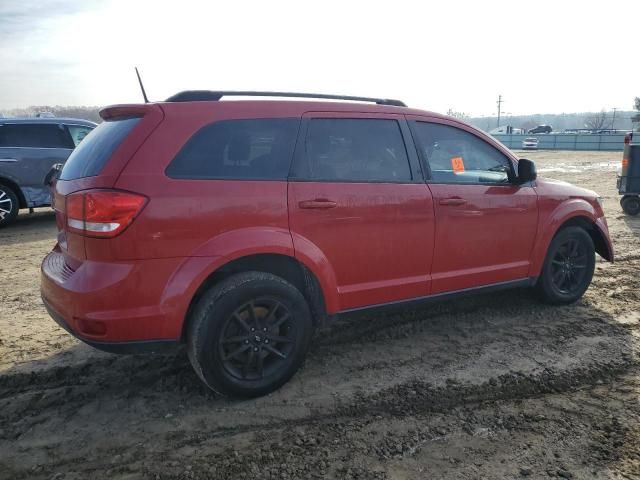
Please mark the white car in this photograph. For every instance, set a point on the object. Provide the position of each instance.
(530, 143)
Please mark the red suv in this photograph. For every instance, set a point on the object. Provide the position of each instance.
(235, 227)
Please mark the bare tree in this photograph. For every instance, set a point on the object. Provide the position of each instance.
(461, 115)
(88, 113)
(597, 121)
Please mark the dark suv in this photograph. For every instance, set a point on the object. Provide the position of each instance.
(29, 147)
(236, 227)
(540, 129)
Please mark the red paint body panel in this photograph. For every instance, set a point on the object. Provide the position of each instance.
(487, 239)
(558, 203)
(382, 242)
(377, 241)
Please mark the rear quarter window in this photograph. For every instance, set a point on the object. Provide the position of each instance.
(255, 149)
(93, 152)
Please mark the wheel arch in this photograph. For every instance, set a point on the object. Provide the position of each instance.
(575, 212)
(600, 242)
(284, 266)
(7, 182)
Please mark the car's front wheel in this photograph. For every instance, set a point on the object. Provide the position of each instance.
(568, 267)
(9, 205)
(249, 334)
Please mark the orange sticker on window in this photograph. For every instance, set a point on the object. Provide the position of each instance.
(457, 164)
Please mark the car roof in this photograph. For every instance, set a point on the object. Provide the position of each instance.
(300, 107)
(50, 120)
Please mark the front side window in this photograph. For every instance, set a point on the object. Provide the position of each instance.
(37, 135)
(354, 150)
(259, 149)
(457, 156)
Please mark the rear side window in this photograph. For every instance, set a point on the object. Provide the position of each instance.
(354, 150)
(259, 149)
(91, 155)
(78, 132)
(27, 135)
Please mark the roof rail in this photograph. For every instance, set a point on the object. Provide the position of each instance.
(209, 95)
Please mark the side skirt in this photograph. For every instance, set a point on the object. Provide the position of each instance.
(438, 297)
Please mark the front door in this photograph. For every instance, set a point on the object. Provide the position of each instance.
(358, 205)
(485, 222)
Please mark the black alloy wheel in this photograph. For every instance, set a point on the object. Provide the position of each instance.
(249, 334)
(568, 267)
(257, 339)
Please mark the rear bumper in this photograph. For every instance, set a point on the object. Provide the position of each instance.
(133, 347)
(117, 306)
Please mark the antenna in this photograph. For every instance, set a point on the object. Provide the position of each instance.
(144, 94)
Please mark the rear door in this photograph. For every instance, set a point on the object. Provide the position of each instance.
(485, 222)
(358, 205)
(27, 152)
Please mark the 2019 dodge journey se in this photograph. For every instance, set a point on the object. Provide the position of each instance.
(237, 226)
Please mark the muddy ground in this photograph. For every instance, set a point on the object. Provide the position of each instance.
(497, 386)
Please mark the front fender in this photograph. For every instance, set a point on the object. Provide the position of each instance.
(549, 224)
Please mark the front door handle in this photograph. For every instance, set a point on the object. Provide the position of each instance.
(8, 160)
(453, 201)
(320, 203)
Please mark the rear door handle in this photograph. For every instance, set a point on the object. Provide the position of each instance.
(318, 203)
(453, 201)
(8, 160)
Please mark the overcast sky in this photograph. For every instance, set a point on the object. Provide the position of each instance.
(542, 56)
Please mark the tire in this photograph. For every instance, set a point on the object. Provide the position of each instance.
(630, 205)
(9, 206)
(562, 281)
(230, 357)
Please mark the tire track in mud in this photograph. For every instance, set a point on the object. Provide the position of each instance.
(445, 326)
(308, 445)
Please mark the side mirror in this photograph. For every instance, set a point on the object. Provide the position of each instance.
(526, 171)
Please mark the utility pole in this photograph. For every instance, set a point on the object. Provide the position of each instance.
(499, 102)
(613, 122)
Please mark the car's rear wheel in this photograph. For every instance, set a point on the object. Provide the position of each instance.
(9, 205)
(630, 205)
(568, 268)
(249, 334)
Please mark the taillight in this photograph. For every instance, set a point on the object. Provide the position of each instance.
(102, 213)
